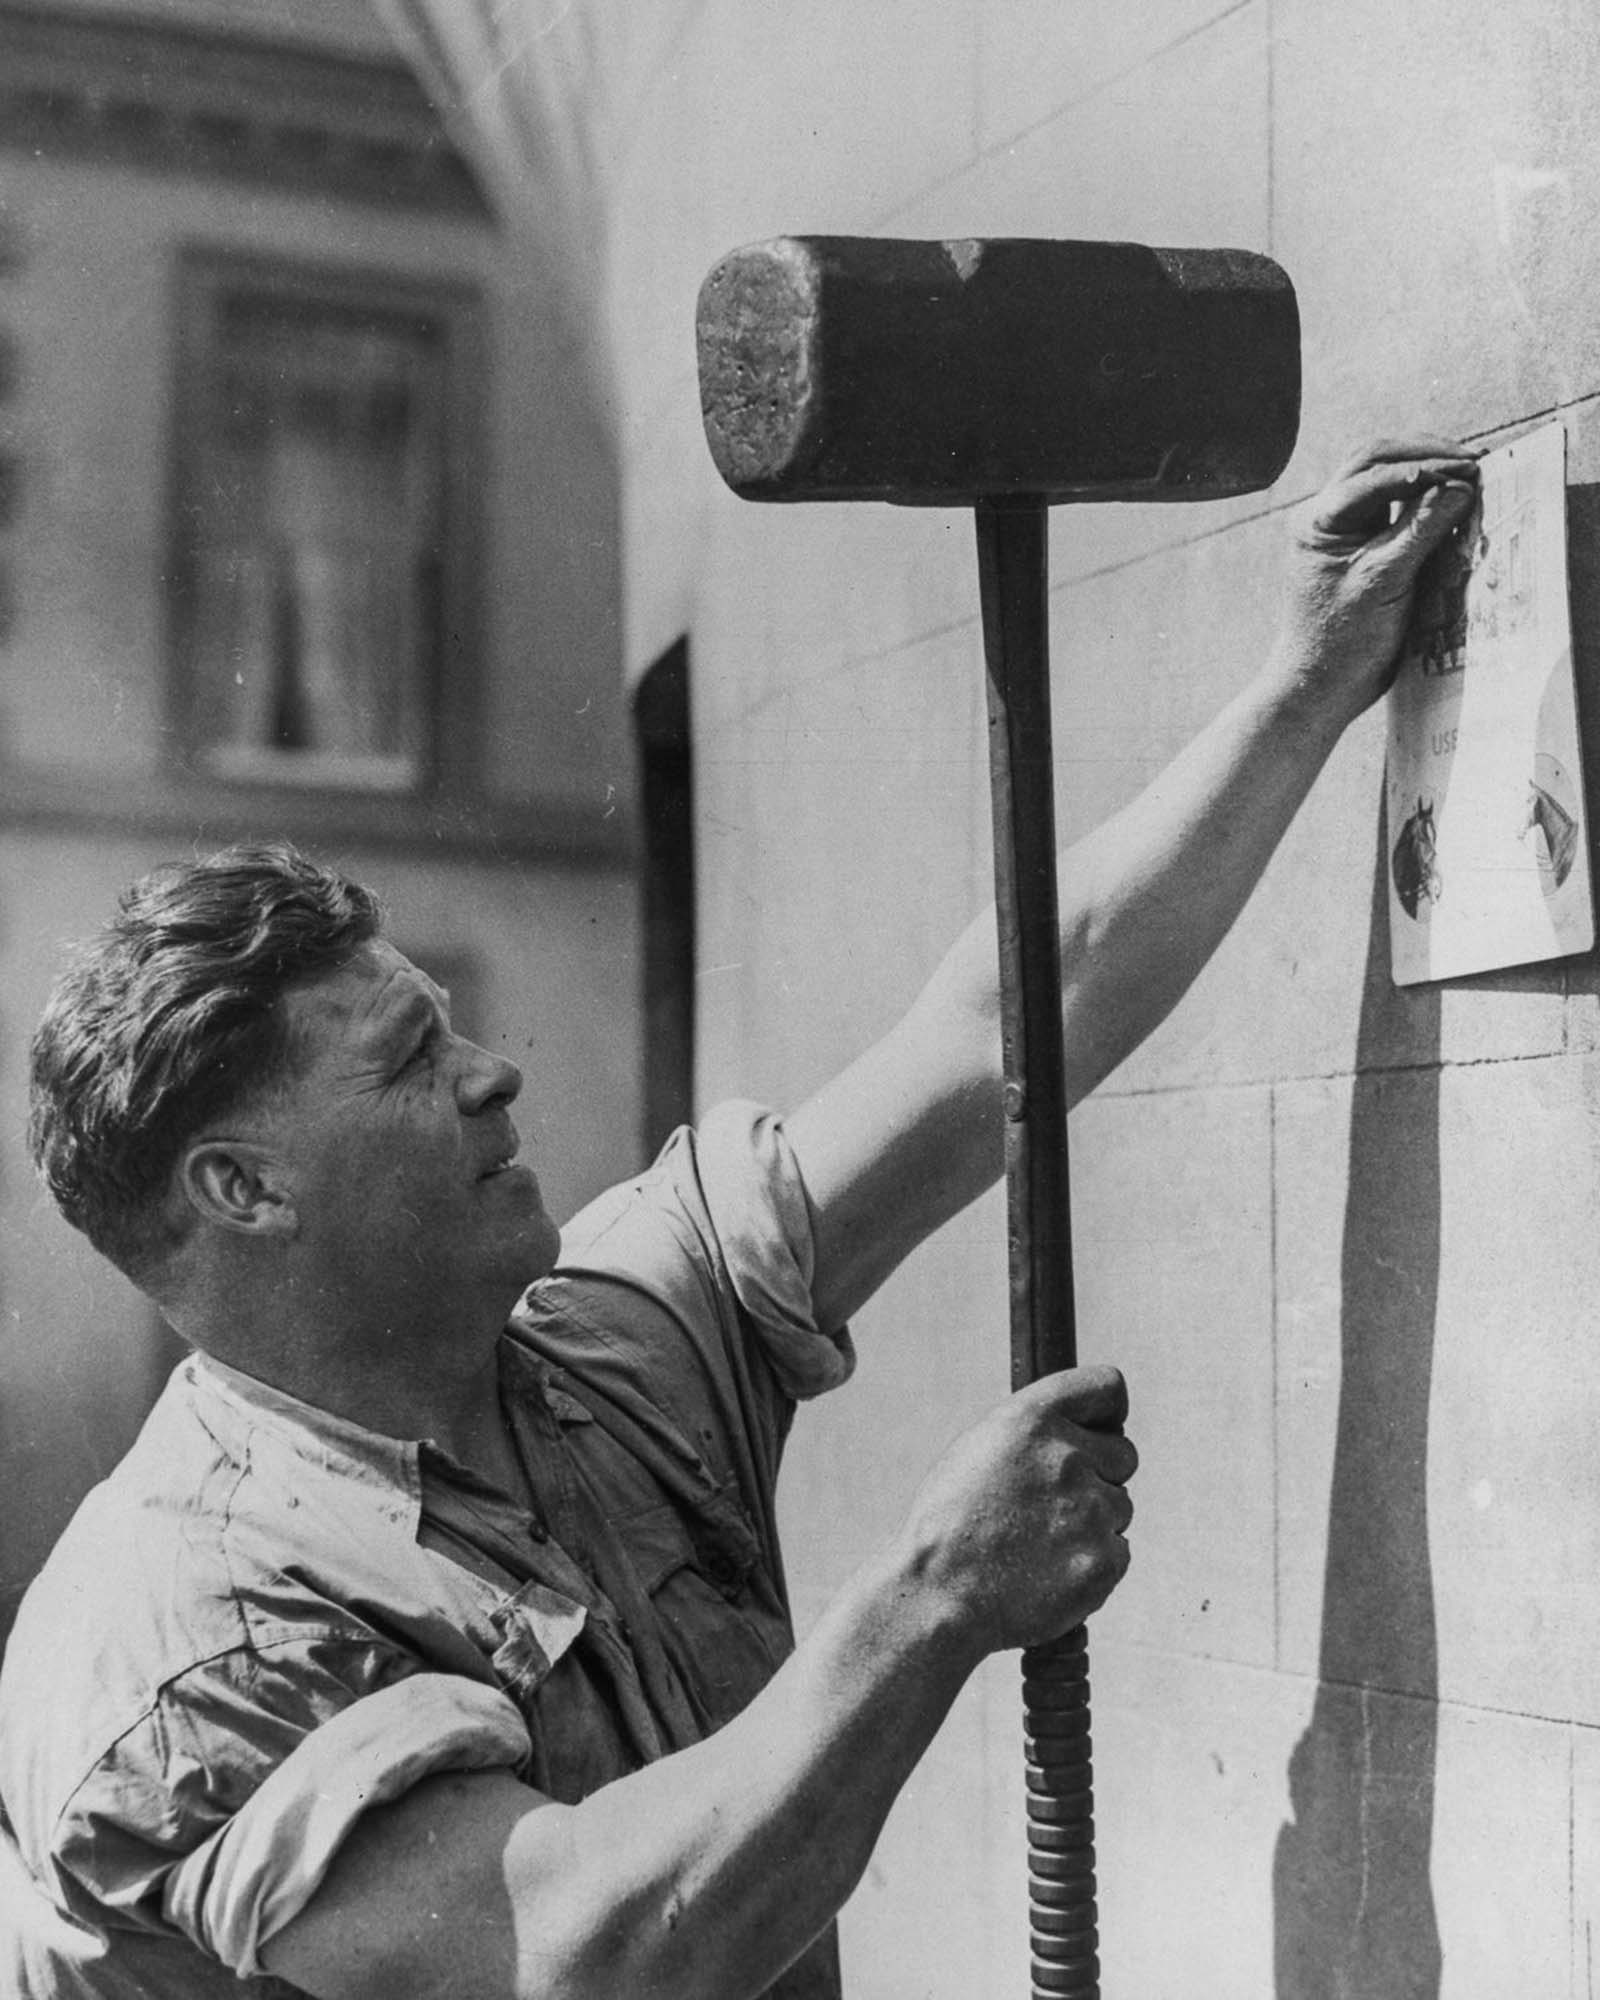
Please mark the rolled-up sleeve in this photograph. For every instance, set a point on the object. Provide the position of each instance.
(259, 1870)
(718, 1234)
(219, 1816)
(757, 1201)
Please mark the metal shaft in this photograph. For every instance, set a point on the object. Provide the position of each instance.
(1013, 573)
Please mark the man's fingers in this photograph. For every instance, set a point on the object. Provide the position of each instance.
(1435, 513)
(1356, 507)
(1403, 451)
(1094, 1400)
(1112, 1456)
(1093, 1396)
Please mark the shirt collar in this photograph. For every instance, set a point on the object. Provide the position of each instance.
(337, 1444)
(327, 1441)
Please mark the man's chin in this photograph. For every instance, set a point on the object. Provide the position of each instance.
(531, 1254)
(549, 1248)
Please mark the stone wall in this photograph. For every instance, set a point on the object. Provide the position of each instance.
(1341, 1238)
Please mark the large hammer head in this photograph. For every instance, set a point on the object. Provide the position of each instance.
(855, 368)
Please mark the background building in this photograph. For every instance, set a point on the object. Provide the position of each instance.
(308, 526)
(1342, 1238)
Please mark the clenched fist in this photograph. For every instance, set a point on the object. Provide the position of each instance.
(1020, 1527)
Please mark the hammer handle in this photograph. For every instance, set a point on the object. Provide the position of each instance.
(1013, 575)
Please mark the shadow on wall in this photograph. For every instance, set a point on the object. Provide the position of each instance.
(1583, 589)
(1352, 1897)
(1352, 1894)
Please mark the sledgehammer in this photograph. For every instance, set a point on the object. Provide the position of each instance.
(1010, 374)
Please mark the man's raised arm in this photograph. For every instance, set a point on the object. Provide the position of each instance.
(911, 1132)
(703, 1876)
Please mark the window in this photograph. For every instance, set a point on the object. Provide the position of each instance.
(317, 522)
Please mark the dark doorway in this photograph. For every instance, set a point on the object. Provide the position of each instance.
(666, 793)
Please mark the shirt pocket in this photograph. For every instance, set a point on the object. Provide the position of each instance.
(535, 1625)
(723, 1643)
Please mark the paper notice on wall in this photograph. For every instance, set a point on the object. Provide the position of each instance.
(1487, 831)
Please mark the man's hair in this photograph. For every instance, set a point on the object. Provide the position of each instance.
(170, 1017)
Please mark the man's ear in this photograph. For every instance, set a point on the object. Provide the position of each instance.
(237, 1184)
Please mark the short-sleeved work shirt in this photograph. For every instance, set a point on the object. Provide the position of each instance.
(269, 1620)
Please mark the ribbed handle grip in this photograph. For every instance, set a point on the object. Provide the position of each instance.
(1063, 1924)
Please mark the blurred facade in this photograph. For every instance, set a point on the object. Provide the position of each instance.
(308, 527)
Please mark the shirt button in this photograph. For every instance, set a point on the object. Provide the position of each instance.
(538, 1532)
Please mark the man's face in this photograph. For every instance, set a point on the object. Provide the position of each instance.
(397, 1139)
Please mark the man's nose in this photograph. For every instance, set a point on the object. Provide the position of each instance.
(485, 1078)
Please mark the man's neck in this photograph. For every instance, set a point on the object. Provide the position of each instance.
(463, 1417)
(404, 1373)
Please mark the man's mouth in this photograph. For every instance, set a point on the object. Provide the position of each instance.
(505, 1159)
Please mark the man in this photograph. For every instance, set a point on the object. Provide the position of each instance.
(418, 1650)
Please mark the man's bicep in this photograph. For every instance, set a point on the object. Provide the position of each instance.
(417, 1900)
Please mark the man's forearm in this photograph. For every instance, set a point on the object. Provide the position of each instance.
(704, 1876)
(1145, 900)
(1148, 896)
